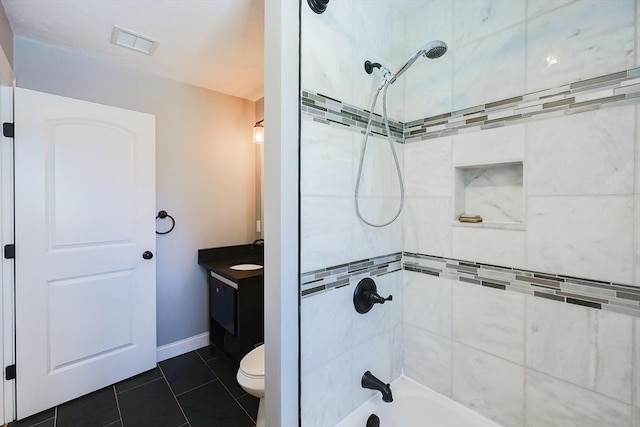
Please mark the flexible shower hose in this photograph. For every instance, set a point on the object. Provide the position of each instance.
(393, 150)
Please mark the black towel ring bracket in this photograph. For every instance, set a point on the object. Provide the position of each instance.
(162, 215)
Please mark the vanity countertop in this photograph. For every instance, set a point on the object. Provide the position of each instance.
(219, 260)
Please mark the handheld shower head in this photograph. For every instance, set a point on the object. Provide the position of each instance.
(435, 49)
(431, 50)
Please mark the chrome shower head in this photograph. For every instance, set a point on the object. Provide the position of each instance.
(435, 49)
(431, 50)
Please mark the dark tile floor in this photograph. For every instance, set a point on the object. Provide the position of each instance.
(194, 389)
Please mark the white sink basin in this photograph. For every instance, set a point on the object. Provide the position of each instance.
(246, 267)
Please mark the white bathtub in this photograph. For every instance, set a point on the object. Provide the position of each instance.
(415, 406)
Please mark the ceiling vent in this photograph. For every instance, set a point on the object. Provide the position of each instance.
(131, 40)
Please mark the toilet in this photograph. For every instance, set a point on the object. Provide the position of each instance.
(251, 378)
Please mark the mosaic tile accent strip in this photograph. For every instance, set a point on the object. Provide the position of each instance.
(333, 112)
(572, 290)
(317, 281)
(616, 89)
(604, 91)
(595, 294)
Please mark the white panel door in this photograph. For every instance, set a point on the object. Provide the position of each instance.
(85, 214)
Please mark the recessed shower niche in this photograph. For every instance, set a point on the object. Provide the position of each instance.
(492, 191)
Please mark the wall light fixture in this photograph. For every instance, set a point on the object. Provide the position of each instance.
(258, 132)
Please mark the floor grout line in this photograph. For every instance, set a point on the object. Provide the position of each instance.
(231, 394)
(197, 387)
(242, 407)
(43, 421)
(138, 386)
(202, 358)
(115, 392)
(187, 423)
(221, 382)
(174, 396)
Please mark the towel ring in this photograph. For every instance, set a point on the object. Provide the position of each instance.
(162, 215)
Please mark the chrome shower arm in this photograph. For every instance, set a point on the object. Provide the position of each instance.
(407, 64)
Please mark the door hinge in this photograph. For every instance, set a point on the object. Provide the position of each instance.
(9, 251)
(10, 372)
(8, 130)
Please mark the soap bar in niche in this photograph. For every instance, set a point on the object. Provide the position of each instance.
(470, 218)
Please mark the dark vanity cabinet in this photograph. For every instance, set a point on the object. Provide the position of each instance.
(237, 314)
(236, 300)
(222, 303)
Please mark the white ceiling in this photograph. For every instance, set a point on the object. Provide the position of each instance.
(215, 44)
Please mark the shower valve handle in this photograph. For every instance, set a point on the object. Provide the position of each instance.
(377, 299)
(366, 295)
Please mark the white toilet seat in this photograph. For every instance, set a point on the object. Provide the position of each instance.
(251, 373)
(252, 365)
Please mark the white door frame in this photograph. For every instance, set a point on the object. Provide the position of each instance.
(7, 327)
(281, 159)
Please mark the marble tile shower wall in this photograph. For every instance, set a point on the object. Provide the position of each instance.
(431, 339)
(577, 196)
(338, 344)
(521, 360)
(500, 49)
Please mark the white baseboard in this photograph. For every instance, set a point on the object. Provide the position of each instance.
(186, 345)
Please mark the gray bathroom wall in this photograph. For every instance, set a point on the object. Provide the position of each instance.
(205, 174)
